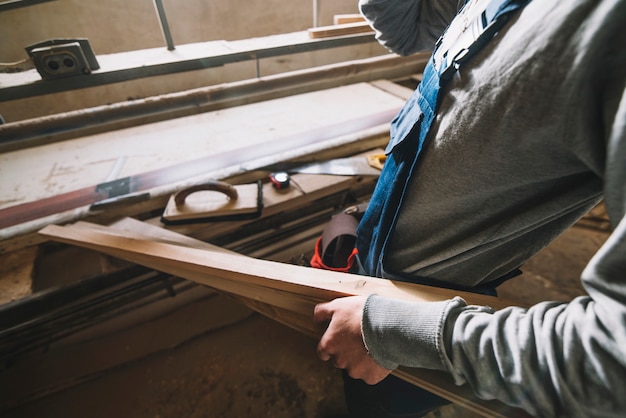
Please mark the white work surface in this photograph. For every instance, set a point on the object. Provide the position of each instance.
(49, 170)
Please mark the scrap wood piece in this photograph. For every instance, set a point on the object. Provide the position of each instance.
(214, 201)
(347, 18)
(339, 30)
(284, 292)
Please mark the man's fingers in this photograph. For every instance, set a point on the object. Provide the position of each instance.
(323, 348)
(322, 312)
(342, 343)
(367, 370)
(322, 353)
(372, 378)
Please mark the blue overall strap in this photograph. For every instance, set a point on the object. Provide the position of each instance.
(409, 130)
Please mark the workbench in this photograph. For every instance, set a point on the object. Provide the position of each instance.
(54, 298)
(238, 143)
(56, 181)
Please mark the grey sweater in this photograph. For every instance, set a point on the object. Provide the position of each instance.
(530, 134)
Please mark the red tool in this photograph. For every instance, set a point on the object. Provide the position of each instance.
(280, 180)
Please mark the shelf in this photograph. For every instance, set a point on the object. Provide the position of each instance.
(131, 65)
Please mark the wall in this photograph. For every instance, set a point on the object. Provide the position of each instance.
(119, 25)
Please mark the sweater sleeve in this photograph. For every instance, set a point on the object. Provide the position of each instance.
(554, 359)
(408, 26)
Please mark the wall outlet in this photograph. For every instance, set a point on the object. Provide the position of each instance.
(60, 58)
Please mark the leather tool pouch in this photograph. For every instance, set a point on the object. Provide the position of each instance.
(335, 250)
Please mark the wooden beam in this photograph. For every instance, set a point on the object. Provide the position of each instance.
(347, 18)
(340, 30)
(284, 292)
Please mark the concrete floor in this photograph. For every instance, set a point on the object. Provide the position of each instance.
(254, 369)
(258, 368)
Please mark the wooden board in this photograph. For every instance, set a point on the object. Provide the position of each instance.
(54, 169)
(347, 18)
(206, 204)
(340, 30)
(287, 293)
(53, 179)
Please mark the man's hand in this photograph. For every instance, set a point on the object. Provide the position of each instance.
(342, 342)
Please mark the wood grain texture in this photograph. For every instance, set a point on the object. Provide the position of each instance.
(340, 30)
(213, 200)
(347, 18)
(286, 293)
(52, 179)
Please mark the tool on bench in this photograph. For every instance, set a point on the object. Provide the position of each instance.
(361, 165)
(377, 160)
(280, 180)
(117, 192)
(214, 201)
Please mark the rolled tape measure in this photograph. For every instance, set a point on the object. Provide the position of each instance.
(280, 180)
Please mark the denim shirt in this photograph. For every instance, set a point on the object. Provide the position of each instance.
(408, 133)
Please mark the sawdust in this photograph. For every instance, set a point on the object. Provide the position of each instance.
(16, 272)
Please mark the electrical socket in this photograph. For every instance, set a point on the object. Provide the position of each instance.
(58, 58)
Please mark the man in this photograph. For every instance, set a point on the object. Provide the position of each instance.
(491, 159)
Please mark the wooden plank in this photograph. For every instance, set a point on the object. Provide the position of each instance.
(310, 187)
(21, 213)
(308, 282)
(55, 168)
(290, 291)
(314, 187)
(207, 201)
(340, 30)
(347, 18)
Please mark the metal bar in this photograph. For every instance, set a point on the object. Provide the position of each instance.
(164, 26)
(15, 4)
(316, 13)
